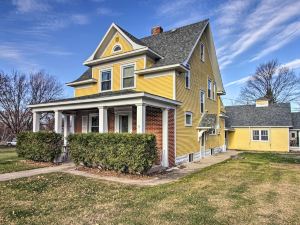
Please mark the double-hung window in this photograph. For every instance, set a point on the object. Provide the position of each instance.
(128, 76)
(106, 80)
(202, 52)
(188, 119)
(202, 103)
(94, 123)
(188, 78)
(260, 135)
(209, 88)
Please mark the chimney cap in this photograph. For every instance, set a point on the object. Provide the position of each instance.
(156, 30)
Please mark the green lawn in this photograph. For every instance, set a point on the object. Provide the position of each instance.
(10, 162)
(253, 189)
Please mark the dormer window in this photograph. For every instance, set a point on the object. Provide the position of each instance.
(117, 48)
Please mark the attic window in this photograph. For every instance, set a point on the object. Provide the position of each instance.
(117, 48)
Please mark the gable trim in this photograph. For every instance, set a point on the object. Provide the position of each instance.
(113, 25)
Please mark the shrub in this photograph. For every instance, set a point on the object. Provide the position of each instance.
(129, 153)
(39, 146)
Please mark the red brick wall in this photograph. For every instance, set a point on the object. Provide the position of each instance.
(111, 120)
(171, 138)
(78, 123)
(154, 126)
(134, 119)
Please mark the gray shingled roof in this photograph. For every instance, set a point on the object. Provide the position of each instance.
(174, 45)
(296, 120)
(208, 120)
(250, 115)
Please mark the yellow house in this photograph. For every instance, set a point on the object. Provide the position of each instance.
(262, 127)
(168, 83)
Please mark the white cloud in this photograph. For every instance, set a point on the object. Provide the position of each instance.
(294, 64)
(103, 11)
(285, 36)
(9, 52)
(174, 7)
(259, 26)
(80, 19)
(28, 6)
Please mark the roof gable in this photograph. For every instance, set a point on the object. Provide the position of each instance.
(111, 32)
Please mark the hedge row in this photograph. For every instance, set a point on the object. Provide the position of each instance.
(39, 146)
(129, 153)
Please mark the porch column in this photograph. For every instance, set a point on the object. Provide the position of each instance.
(140, 118)
(57, 121)
(72, 123)
(165, 137)
(36, 122)
(103, 128)
(65, 128)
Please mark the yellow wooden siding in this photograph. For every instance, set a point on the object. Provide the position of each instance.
(117, 39)
(187, 137)
(161, 85)
(241, 139)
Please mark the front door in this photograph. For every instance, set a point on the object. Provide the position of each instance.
(203, 145)
(123, 123)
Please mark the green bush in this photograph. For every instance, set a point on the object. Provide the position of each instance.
(128, 153)
(39, 146)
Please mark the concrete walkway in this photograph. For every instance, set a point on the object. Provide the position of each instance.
(168, 177)
(173, 175)
(29, 173)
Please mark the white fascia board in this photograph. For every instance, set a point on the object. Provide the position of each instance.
(161, 68)
(89, 81)
(105, 99)
(113, 25)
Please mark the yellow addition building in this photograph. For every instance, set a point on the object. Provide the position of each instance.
(262, 127)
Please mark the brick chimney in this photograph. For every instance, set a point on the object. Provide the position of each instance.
(156, 30)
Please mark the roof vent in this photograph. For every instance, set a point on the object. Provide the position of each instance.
(156, 30)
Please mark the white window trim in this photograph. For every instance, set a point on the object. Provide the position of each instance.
(188, 74)
(209, 97)
(185, 122)
(111, 78)
(204, 95)
(259, 134)
(214, 91)
(134, 75)
(90, 120)
(202, 58)
(113, 48)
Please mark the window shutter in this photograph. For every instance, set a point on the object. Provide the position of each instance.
(84, 124)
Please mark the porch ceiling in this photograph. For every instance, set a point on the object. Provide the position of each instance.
(106, 99)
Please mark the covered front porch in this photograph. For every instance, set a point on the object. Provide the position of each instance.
(122, 112)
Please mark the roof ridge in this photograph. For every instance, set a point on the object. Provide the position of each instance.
(176, 28)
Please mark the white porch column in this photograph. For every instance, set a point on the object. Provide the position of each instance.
(65, 128)
(103, 127)
(165, 138)
(140, 118)
(72, 123)
(57, 121)
(36, 122)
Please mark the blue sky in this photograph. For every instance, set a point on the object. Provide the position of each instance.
(58, 35)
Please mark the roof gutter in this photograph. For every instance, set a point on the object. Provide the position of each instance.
(179, 67)
(78, 83)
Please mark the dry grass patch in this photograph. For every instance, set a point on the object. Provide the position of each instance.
(252, 189)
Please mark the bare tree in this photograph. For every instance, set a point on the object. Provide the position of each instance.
(17, 91)
(275, 82)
